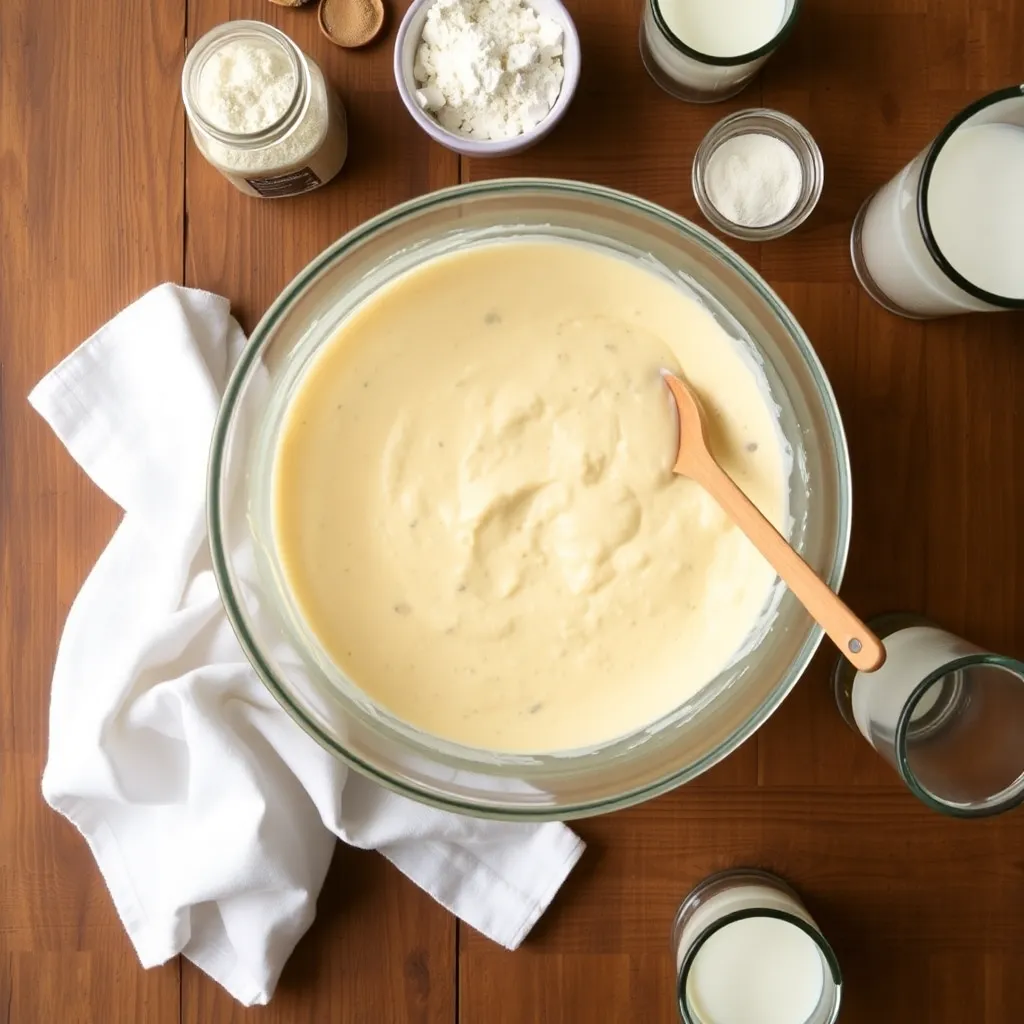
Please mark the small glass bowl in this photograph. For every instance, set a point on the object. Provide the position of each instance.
(761, 121)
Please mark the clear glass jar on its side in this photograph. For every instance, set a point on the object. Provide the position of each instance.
(945, 713)
(696, 77)
(297, 150)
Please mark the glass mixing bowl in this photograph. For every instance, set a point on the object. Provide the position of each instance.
(329, 706)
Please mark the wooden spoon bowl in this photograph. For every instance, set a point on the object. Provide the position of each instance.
(694, 460)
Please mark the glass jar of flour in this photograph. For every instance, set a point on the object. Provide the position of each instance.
(261, 112)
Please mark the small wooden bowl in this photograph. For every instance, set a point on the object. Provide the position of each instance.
(341, 22)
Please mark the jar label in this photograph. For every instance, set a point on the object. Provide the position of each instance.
(290, 184)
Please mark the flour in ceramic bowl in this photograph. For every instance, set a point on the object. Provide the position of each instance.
(488, 69)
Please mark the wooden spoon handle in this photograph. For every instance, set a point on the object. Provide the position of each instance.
(853, 638)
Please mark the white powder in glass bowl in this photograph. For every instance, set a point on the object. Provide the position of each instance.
(753, 179)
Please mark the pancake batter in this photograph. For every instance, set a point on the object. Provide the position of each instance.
(474, 505)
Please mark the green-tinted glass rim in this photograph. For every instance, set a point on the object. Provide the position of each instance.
(1013, 92)
(1006, 799)
(824, 948)
(725, 62)
(252, 351)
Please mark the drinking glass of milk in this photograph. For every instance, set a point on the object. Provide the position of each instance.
(946, 235)
(947, 715)
(704, 51)
(748, 952)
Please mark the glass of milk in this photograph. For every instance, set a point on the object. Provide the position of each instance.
(703, 51)
(947, 715)
(748, 952)
(946, 235)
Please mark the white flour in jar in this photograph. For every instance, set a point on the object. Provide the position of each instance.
(488, 69)
(245, 87)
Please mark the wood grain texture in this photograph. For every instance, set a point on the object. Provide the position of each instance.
(85, 988)
(91, 215)
(103, 196)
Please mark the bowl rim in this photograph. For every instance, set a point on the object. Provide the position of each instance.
(571, 64)
(220, 560)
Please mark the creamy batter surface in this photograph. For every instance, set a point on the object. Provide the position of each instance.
(474, 505)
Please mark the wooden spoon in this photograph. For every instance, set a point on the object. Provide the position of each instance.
(694, 459)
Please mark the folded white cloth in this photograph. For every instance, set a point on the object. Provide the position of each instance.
(210, 813)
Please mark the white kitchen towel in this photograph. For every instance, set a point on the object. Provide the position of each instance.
(210, 813)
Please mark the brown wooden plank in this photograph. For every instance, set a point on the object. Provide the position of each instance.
(91, 174)
(932, 422)
(380, 950)
(848, 851)
(565, 988)
(85, 988)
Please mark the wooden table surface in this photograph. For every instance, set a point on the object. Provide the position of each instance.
(102, 195)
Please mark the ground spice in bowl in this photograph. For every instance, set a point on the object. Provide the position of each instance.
(351, 23)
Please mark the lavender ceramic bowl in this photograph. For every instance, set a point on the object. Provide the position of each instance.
(409, 33)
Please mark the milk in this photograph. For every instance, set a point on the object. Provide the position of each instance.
(758, 970)
(975, 205)
(768, 966)
(724, 28)
(717, 35)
